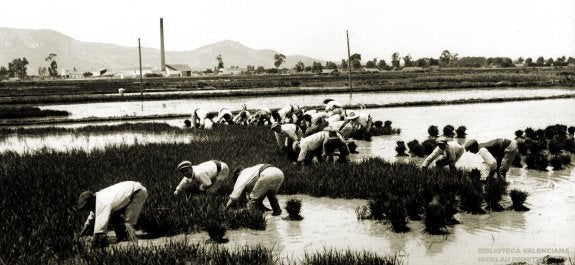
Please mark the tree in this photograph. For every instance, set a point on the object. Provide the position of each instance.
(570, 60)
(549, 62)
(220, 61)
(528, 62)
(53, 68)
(407, 61)
(343, 64)
(355, 60)
(299, 67)
(279, 59)
(395, 59)
(3, 73)
(444, 58)
(260, 70)
(17, 68)
(370, 64)
(316, 67)
(330, 65)
(540, 61)
(422, 62)
(382, 65)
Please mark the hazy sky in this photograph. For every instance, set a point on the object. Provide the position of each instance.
(377, 28)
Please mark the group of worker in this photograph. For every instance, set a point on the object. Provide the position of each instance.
(120, 204)
(497, 155)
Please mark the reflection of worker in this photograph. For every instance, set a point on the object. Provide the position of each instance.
(210, 175)
(445, 154)
(119, 204)
(257, 183)
(504, 151)
(489, 163)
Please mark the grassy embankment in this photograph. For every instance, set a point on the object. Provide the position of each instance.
(39, 190)
(97, 90)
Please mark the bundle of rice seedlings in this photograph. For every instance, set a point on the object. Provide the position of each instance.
(537, 161)
(217, 231)
(415, 148)
(400, 148)
(518, 198)
(495, 188)
(436, 218)
(396, 214)
(556, 162)
(470, 194)
(293, 207)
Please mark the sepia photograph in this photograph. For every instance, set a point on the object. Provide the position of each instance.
(287, 132)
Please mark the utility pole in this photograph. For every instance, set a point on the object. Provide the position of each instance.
(140, 56)
(348, 63)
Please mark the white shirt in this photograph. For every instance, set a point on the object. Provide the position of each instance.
(203, 173)
(246, 181)
(289, 130)
(487, 157)
(109, 200)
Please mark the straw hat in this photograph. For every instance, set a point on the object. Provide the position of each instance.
(351, 116)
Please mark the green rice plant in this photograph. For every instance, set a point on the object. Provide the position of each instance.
(556, 162)
(28, 112)
(400, 148)
(338, 257)
(415, 148)
(396, 215)
(293, 207)
(518, 199)
(217, 231)
(428, 146)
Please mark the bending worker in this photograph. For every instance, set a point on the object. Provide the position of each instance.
(504, 151)
(210, 175)
(321, 145)
(445, 154)
(257, 183)
(489, 163)
(286, 135)
(119, 204)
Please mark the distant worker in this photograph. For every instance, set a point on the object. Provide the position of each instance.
(261, 117)
(288, 114)
(209, 175)
(286, 135)
(243, 117)
(445, 154)
(321, 145)
(225, 116)
(362, 123)
(489, 166)
(119, 204)
(201, 120)
(257, 183)
(332, 107)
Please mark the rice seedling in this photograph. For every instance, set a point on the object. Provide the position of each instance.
(293, 207)
(495, 189)
(428, 146)
(217, 231)
(337, 257)
(518, 199)
(471, 193)
(400, 148)
(437, 219)
(537, 161)
(415, 148)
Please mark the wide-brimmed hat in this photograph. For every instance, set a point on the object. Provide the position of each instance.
(351, 116)
(83, 200)
(184, 164)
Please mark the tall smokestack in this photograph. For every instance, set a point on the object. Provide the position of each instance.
(162, 52)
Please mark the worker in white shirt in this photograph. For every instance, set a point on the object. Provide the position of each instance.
(286, 135)
(445, 154)
(200, 119)
(288, 114)
(210, 175)
(489, 167)
(361, 122)
(321, 145)
(333, 107)
(257, 183)
(225, 116)
(119, 204)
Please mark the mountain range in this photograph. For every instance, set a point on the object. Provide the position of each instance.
(37, 45)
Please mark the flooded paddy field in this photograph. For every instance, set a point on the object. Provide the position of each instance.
(493, 238)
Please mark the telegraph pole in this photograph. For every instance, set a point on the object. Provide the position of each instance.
(140, 56)
(348, 63)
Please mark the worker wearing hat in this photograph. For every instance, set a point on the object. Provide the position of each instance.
(257, 183)
(119, 204)
(321, 145)
(445, 154)
(210, 175)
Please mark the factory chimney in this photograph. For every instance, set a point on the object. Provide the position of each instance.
(162, 52)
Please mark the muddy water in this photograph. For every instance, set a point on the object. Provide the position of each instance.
(495, 238)
(480, 239)
(139, 108)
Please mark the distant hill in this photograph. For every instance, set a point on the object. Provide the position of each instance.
(36, 45)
